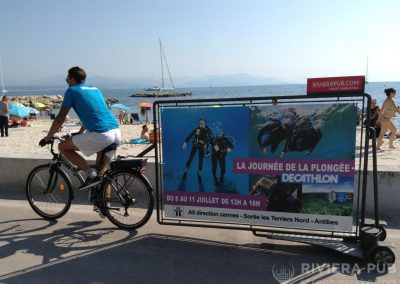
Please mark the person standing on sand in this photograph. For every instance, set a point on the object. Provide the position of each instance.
(388, 110)
(4, 115)
(375, 112)
(121, 116)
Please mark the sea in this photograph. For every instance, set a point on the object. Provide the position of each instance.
(122, 94)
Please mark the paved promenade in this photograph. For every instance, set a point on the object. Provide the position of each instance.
(82, 248)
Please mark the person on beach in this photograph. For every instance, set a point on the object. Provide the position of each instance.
(4, 115)
(121, 116)
(100, 130)
(145, 133)
(143, 111)
(389, 109)
(375, 112)
(274, 101)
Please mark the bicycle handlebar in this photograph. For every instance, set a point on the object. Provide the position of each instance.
(59, 138)
(44, 142)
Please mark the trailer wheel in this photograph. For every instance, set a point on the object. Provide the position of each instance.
(382, 235)
(382, 257)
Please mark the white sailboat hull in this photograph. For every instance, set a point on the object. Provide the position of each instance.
(158, 89)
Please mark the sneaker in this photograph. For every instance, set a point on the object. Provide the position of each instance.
(90, 182)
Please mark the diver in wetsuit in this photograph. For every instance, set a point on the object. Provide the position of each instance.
(276, 130)
(271, 134)
(201, 137)
(304, 135)
(220, 147)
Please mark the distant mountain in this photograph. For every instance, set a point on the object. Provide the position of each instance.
(241, 79)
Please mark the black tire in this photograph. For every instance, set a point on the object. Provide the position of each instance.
(383, 257)
(51, 205)
(139, 189)
(383, 233)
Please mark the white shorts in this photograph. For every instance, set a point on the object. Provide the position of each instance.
(92, 142)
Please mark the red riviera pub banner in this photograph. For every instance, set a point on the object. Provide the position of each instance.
(351, 84)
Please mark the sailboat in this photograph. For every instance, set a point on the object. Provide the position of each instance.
(3, 91)
(162, 91)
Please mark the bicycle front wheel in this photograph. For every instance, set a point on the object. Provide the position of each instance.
(128, 199)
(49, 191)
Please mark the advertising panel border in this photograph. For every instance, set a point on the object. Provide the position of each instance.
(361, 100)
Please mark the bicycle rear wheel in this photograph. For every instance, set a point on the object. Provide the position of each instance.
(127, 199)
(49, 191)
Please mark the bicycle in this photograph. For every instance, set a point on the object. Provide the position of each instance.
(124, 195)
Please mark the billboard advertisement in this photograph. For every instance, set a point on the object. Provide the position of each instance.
(282, 166)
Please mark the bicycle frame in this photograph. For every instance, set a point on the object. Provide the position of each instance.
(60, 160)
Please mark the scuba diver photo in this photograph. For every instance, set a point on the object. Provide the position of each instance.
(221, 145)
(200, 148)
(281, 197)
(318, 131)
(201, 139)
(298, 132)
(302, 131)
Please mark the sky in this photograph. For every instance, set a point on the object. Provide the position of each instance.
(290, 40)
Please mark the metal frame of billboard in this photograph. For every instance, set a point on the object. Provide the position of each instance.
(363, 100)
(360, 224)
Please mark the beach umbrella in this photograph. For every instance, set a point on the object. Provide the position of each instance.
(146, 104)
(32, 110)
(121, 106)
(18, 111)
(39, 105)
(18, 104)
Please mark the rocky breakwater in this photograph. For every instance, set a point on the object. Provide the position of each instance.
(50, 102)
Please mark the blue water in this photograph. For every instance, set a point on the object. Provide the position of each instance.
(375, 89)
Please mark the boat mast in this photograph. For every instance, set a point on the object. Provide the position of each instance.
(2, 79)
(166, 64)
(162, 67)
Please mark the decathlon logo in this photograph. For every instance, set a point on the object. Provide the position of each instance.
(178, 212)
(282, 272)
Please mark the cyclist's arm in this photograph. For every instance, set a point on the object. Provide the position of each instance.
(57, 123)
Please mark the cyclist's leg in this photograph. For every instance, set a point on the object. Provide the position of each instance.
(102, 161)
(69, 150)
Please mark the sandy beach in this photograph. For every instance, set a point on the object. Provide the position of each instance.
(23, 141)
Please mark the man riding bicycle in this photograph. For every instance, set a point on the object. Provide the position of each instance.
(99, 132)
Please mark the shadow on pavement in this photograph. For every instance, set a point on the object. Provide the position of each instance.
(43, 238)
(158, 258)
